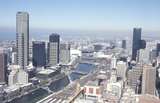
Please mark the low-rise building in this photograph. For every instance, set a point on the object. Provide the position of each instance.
(92, 90)
(17, 75)
(47, 73)
(12, 92)
(114, 89)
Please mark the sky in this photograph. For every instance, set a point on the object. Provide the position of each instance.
(82, 15)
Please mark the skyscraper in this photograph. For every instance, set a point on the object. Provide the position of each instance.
(14, 58)
(3, 67)
(22, 32)
(39, 54)
(53, 49)
(121, 69)
(157, 49)
(124, 44)
(136, 42)
(134, 76)
(148, 80)
(113, 62)
(153, 55)
(64, 53)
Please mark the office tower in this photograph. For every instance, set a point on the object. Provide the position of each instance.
(147, 55)
(17, 75)
(157, 61)
(113, 62)
(14, 58)
(53, 49)
(97, 47)
(134, 76)
(121, 69)
(142, 44)
(158, 49)
(136, 42)
(39, 54)
(144, 54)
(124, 44)
(113, 77)
(30, 50)
(3, 67)
(153, 55)
(148, 80)
(64, 53)
(22, 32)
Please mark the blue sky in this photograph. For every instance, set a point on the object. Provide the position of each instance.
(90, 15)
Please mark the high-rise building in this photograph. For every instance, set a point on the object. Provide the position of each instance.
(152, 55)
(136, 42)
(134, 76)
(121, 69)
(148, 54)
(64, 53)
(53, 49)
(3, 67)
(148, 80)
(39, 54)
(22, 32)
(158, 49)
(144, 56)
(113, 62)
(14, 58)
(124, 44)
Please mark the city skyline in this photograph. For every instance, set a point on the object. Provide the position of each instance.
(85, 51)
(84, 16)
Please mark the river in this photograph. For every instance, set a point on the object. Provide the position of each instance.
(56, 86)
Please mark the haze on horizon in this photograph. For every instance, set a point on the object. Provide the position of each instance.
(82, 15)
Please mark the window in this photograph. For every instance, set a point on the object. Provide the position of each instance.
(90, 90)
(97, 91)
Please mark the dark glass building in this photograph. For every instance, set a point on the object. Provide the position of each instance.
(124, 44)
(39, 54)
(157, 49)
(97, 47)
(54, 38)
(3, 68)
(53, 49)
(136, 42)
(142, 44)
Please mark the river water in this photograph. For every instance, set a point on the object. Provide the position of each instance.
(56, 86)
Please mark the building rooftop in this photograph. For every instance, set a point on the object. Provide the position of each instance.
(38, 42)
(102, 55)
(92, 83)
(148, 99)
(101, 76)
(46, 71)
(21, 12)
(25, 85)
(56, 67)
(11, 88)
